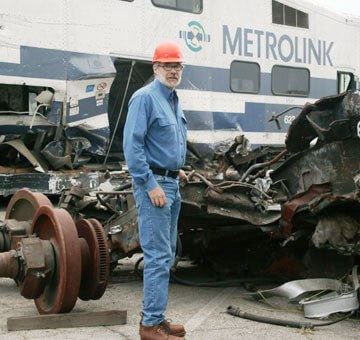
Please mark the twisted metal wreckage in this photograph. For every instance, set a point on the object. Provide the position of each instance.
(279, 212)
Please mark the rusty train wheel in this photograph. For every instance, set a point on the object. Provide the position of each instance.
(96, 259)
(57, 226)
(103, 256)
(24, 203)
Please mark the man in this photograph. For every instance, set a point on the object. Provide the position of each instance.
(155, 150)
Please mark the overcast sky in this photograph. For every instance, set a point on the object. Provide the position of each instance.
(343, 6)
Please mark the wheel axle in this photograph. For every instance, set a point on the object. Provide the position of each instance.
(53, 259)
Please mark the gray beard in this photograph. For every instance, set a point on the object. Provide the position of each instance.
(163, 81)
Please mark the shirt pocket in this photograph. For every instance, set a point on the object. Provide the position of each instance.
(165, 122)
(166, 132)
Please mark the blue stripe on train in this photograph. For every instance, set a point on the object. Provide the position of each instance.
(56, 64)
(62, 65)
(218, 80)
(255, 119)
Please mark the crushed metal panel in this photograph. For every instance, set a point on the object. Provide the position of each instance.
(333, 302)
(320, 177)
(301, 132)
(291, 207)
(235, 204)
(55, 153)
(321, 182)
(295, 290)
(124, 233)
(337, 163)
(20, 147)
(87, 97)
(330, 303)
(48, 183)
(330, 118)
(239, 206)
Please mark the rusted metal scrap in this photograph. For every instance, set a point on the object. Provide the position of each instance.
(322, 181)
(223, 200)
(316, 181)
(115, 209)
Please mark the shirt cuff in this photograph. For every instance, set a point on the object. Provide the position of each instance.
(151, 184)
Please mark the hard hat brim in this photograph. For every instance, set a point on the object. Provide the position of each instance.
(168, 60)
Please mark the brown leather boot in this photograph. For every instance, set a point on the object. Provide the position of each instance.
(157, 332)
(177, 330)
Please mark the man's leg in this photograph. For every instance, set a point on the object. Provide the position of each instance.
(154, 229)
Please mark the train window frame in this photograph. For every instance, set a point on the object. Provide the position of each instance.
(177, 9)
(290, 94)
(258, 76)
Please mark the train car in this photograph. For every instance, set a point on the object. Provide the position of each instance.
(68, 69)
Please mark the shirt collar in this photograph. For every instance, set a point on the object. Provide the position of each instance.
(166, 91)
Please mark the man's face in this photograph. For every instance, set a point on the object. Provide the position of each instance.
(169, 73)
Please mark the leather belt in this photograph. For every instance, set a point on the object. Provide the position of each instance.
(164, 172)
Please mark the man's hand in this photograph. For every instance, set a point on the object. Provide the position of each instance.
(157, 197)
(182, 176)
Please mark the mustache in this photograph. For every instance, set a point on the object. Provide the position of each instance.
(166, 82)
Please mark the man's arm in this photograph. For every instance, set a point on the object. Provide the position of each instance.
(133, 144)
(134, 140)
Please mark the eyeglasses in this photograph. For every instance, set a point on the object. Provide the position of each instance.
(169, 67)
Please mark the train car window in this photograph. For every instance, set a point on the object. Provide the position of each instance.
(286, 15)
(302, 19)
(345, 81)
(290, 81)
(290, 16)
(277, 13)
(192, 6)
(244, 77)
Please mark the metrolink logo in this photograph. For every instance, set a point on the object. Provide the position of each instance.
(250, 42)
(195, 36)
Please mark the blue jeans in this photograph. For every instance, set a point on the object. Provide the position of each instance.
(158, 235)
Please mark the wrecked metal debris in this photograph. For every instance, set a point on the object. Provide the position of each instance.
(294, 291)
(321, 181)
(345, 300)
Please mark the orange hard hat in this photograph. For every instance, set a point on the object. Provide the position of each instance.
(167, 52)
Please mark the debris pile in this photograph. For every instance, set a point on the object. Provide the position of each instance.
(268, 211)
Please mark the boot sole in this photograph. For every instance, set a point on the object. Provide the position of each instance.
(179, 334)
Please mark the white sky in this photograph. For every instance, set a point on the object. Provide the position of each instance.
(351, 7)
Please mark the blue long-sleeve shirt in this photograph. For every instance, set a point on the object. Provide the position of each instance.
(154, 133)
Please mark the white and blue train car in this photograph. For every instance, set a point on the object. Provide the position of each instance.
(245, 62)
